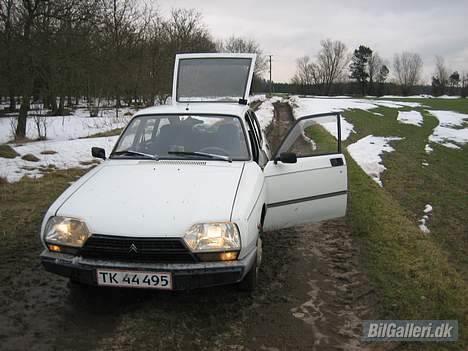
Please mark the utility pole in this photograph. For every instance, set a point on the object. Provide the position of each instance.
(271, 82)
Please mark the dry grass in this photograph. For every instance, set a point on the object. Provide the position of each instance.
(30, 157)
(22, 205)
(6, 151)
(108, 133)
(91, 162)
(48, 152)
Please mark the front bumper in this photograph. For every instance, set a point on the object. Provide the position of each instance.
(185, 276)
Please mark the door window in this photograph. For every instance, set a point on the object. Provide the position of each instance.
(313, 135)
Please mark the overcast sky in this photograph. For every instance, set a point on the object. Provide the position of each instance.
(288, 29)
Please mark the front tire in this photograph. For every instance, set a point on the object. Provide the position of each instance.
(249, 283)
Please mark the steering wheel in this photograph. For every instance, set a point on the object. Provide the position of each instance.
(215, 150)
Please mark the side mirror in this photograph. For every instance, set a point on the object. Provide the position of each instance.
(286, 157)
(98, 152)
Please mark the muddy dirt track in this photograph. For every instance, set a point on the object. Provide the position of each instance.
(311, 296)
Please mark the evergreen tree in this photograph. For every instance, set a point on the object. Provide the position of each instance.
(358, 66)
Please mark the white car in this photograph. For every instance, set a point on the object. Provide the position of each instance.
(183, 198)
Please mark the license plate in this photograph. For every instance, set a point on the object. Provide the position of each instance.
(134, 279)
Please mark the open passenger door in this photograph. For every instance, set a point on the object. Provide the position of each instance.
(307, 178)
(212, 77)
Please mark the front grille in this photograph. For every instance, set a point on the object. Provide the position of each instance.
(151, 250)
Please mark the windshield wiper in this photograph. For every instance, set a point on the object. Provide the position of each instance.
(202, 154)
(154, 157)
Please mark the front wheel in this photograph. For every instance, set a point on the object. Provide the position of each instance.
(249, 283)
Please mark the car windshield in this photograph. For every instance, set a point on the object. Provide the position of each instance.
(183, 136)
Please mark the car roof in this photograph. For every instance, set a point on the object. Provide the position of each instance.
(233, 109)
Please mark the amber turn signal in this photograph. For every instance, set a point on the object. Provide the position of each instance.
(55, 248)
(218, 256)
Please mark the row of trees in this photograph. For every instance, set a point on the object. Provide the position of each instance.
(335, 67)
(59, 51)
(443, 82)
(325, 74)
(320, 75)
(56, 50)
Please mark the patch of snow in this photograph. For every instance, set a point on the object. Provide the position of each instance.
(396, 104)
(309, 106)
(422, 96)
(323, 97)
(428, 149)
(445, 133)
(389, 104)
(425, 164)
(424, 228)
(425, 218)
(331, 127)
(378, 114)
(265, 112)
(69, 155)
(367, 153)
(258, 97)
(410, 117)
(448, 97)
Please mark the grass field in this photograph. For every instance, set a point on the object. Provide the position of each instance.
(443, 183)
(416, 276)
(419, 276)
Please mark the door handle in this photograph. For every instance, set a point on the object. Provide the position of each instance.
(336, 162)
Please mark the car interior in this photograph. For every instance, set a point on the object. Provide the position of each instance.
(160, 135)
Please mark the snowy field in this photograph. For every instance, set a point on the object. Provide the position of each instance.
(74, 126)
(452, 128)
(410, 117)
(53, 154)
(63, 148)
(368, 151)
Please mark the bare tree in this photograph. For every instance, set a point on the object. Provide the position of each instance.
(41, 122)
(307, 73)
(29, 11)
(103, 50)
(332, 59)
(441, 75)
(244, 45)
(408, 68)
(374, 66)
(8, 21)
(464, 85)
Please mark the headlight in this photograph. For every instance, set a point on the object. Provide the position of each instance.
(65, 231)
(212, 237)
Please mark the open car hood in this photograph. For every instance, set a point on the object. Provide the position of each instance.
(212, 77)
